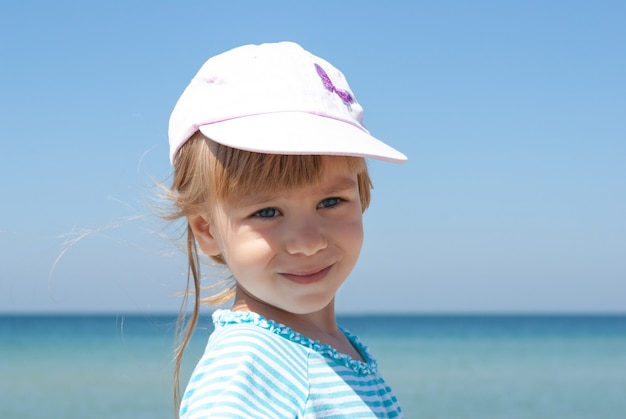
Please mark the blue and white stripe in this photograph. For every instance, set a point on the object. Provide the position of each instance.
(254, 368)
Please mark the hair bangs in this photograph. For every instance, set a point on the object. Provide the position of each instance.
(242, 172)
(208, 172)
(239, 172)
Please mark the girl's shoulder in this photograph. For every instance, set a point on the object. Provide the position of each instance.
(255, 334)
(243, 363)
(248, 335)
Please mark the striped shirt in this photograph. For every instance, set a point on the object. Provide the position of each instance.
(256, 368)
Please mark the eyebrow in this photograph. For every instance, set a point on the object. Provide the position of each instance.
(339, 184)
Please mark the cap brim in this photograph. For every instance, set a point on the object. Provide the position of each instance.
(299, 133)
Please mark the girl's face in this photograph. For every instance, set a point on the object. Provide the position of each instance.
(290, 249)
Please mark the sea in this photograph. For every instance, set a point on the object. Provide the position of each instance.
(440, 366)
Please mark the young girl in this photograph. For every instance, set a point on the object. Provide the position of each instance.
(268, 148)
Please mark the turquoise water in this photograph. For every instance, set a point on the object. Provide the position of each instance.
(439, 366)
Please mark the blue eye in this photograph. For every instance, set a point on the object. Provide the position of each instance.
(267, 213)
(329, 202)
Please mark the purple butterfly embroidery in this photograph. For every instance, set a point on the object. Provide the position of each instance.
(343, 94)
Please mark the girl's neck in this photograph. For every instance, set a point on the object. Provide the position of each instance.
(320, 325)
(308, 324)
(315, 325)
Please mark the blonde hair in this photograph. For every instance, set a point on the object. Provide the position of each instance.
(206, 172)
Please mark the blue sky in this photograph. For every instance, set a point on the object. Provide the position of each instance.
(513, 115)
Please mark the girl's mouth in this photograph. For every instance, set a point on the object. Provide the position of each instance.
(308, 278)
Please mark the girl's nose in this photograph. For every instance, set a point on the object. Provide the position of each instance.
(305, 237)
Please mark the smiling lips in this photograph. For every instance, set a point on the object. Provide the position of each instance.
(307, 278)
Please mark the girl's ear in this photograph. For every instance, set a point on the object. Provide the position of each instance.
(202, 232)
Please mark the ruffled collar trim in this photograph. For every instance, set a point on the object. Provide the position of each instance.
(369, 367)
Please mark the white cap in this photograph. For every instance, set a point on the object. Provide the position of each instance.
(278, 99)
